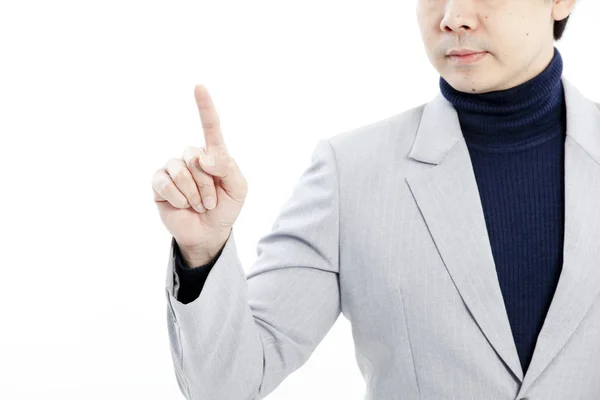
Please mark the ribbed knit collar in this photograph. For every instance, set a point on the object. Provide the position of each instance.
(512, 117)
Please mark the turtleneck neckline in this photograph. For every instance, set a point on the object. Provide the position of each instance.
(516, 117)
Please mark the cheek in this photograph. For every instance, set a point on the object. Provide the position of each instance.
(429, 15)
(430, 31)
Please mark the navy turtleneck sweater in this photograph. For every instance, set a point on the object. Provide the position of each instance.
(516, 142)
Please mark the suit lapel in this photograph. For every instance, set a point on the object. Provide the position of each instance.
(579, 283)
(448, 198)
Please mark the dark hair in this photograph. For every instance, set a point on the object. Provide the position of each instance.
(559, 28)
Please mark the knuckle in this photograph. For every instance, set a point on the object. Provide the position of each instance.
(189, 161)
(227, 162)
(181, 204)
(208, 125)
(190, 154)
(194, 200)
(163, 185)
(222, 152)
(179, 180)
(204, 184)
(180, 173)
(156, 177)
(186, 156)
(171, 163)
(204, 104)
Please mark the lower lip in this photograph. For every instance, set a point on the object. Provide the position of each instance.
(467, 59)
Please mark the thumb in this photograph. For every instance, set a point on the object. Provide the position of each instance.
(220, 164)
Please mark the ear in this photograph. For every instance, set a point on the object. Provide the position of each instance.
(561, 9)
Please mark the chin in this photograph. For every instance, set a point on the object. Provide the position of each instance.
(466, 84)
(465, 78)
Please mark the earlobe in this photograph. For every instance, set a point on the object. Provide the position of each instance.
(562, 9)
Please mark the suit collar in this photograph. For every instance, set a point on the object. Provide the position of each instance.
(439, 129)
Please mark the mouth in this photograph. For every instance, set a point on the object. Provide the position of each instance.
(467, 58)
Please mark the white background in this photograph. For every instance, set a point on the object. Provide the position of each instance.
(95, 96)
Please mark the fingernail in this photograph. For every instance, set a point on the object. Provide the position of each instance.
(207, 160)
(209, 202)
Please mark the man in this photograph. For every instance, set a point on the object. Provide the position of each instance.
(459, 237)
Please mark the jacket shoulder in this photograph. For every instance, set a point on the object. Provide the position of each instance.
(386, 140)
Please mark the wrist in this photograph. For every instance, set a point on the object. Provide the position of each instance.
(195, 258)
(201, 255)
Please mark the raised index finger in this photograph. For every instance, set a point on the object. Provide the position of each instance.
(209, 118)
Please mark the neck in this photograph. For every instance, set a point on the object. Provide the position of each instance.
(515, 116)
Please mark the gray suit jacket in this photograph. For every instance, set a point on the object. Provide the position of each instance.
(386, 226)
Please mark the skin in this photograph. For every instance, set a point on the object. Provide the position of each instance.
(517, 34)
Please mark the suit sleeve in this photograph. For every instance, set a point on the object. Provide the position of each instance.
(245, 333)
